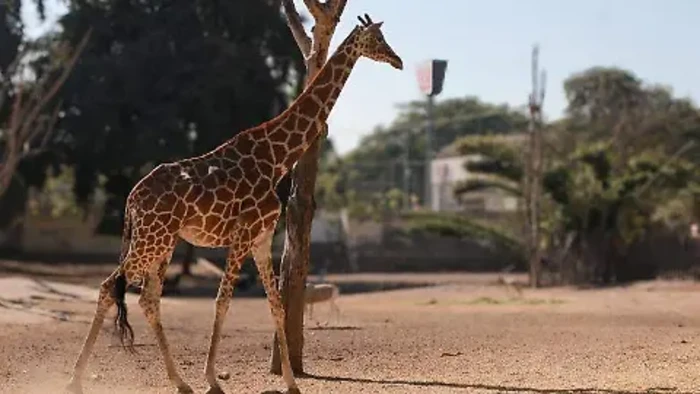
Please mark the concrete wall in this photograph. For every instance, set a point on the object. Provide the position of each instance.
(447, 173)
(432, 254)
(73, 236)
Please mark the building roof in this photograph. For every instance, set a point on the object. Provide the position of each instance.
(452, 151)
(448, 151)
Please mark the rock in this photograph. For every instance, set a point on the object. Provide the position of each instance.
(224, 376)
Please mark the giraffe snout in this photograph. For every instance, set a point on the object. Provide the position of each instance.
(396, 62)
(393, 59)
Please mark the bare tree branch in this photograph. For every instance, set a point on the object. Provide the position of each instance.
(294, 20)
(326, 16)
(338, 6)
(67, 68)
(326, 13)
(11, 69)
(26, 123)
(316, 8)
(16, 109)
(45, 131)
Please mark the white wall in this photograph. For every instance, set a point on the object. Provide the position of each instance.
(447, 172)
(324, 228)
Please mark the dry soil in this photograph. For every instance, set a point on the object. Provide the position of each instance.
(466, 334)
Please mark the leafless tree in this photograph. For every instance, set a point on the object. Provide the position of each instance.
(29, 126)
(300, 209)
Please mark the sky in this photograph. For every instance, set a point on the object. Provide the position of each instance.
(488, 46)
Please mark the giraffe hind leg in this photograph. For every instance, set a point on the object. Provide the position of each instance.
(122, 327)
(105, 300)
(150, 304)
(149, 301)
(234, 260)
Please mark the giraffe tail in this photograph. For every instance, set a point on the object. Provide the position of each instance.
(121, 322)
(126, 235)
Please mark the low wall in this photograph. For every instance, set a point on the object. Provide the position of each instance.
(432, 254)
(370, 247)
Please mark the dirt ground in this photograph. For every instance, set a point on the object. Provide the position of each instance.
(465, 334)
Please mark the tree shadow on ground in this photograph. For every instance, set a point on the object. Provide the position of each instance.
(496, 388)
(53, 314)
(53, 271)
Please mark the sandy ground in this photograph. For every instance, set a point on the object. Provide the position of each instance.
(464, 335)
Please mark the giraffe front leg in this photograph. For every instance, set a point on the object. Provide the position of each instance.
(150, 304)
(104, 301)
(234, 261)
(262, 254)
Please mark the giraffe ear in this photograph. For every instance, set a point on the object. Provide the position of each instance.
(375, 26)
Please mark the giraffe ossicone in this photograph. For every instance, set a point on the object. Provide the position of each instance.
(224, 198)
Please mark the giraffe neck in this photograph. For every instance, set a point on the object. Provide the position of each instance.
(298, 127)
(325, 88)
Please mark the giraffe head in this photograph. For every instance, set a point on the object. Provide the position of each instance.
(370, 43)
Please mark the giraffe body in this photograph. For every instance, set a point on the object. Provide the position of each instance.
(224, 198)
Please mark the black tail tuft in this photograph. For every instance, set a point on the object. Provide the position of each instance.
(121, 321)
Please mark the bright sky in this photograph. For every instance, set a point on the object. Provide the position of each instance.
(488, 46)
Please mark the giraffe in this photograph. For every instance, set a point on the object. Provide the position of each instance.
(223, 198)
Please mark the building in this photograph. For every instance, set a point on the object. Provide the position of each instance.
(448, 170)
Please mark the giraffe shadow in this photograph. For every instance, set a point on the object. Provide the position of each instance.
(488, 387)
(334, 328)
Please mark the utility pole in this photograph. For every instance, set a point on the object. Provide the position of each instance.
(406, 173)
(429, 130)
(533, 176)
(431, 77)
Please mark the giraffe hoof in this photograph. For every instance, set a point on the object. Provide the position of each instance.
(184, 389)
(74, 387)
(215, 390)
(293, 390)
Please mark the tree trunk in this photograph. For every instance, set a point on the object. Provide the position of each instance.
(295, 259)
(294, 267)
(13, 209)
(8, 167)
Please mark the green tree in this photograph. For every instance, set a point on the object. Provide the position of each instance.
(163, 80)
(615, 103)
(378, 164)
(598, 194)
(31, 73)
